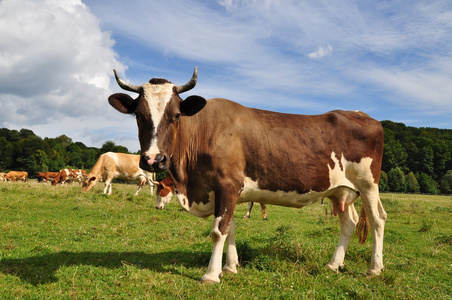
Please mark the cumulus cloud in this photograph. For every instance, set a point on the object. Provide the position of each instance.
(55, 67)
(321, 52)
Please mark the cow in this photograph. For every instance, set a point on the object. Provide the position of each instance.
(219, 153)
(111, 165)
(165, 191)
(68, 175)
(16, 175)
(46, 176)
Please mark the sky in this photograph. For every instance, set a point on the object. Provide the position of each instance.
(390, 59)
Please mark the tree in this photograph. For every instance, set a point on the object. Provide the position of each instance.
(6, 154)
(394, 155)
(446, 183)
(412, 186)
(396, 180)
(110, 146)
(427, 184)
(383, 184)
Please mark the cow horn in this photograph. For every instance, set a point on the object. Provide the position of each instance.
(126, 86)
(189, 85)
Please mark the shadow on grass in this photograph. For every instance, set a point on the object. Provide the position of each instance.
(41, 269)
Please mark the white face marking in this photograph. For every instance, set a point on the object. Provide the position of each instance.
(157, 97)
(160, 201)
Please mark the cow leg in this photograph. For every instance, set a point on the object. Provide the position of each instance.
(152, 178)
(248, 211)
(264, 211)
(223, 224)
(232, 259)
(349, 218)
(377, 219)
(107, 188)
(139, 189)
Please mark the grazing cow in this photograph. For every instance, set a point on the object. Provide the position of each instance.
(165, 191)
(250, 207)
(122, 166)
(68, 175)
(16, 175)
(219, 153)
(46, 176)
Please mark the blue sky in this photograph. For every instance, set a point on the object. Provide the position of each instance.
(390, 59)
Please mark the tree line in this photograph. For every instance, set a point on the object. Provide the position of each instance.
(415, 160)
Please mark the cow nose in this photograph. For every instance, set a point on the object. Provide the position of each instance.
(158, 163)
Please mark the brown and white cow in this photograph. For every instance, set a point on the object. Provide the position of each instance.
(122, 166)
(68, 175)
(220, 153)
(46, 176)
(165, 192)
(16, 175)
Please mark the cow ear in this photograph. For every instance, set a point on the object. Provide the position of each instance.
(122, 103)
(192, 105)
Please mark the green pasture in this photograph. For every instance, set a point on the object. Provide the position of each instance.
(57, 243)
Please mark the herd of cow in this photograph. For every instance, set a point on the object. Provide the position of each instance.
(109, 166)
(218, 153)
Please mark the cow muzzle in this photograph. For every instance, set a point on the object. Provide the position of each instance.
(157, 163)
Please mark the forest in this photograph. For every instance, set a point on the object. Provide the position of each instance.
(415, 160)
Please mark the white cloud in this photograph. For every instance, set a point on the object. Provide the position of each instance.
(55, 68)
(321, 52)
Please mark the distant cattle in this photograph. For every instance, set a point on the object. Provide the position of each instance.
(68, 175)
(46, 176)
(16, 175)
(122, 166)
(219, 153)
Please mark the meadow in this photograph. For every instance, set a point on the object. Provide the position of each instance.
(59, 243)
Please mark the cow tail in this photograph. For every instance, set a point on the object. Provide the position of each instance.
(362, 226)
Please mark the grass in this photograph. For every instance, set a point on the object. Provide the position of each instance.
(57, 243)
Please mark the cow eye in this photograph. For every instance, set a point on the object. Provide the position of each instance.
(176, 117)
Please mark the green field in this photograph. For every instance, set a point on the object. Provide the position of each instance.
(57, 243)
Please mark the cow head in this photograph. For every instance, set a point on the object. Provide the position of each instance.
(157, 109)
(88, 182)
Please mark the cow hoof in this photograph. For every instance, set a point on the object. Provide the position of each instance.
(232, 270)
(334, 267)
(374, 272)
(210, 279)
